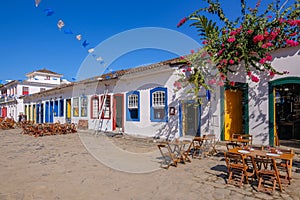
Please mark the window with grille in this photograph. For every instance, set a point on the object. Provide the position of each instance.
(76, 107)
(83, 102)
(106, 108)
(94, 107)
(158, 99)
(133, 101)
(25, 90)
(133, 107)
(158, 105)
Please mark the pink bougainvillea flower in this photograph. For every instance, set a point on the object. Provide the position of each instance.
(204, 54)
(266, 33)
(269, 57)
(272, 74)
(192, 51)
(182, 22)
(258, 38)
(231, 61)
(250, 31)
(273, 35)
(232, 83)
(232, 33)
(212, 81)
(204, 42)
(221, 51)
(223, 77)
(249, 73)
(291, 43)
(220, 83)
(177, 85)
(281, 20)
(231, 40)
(189, 69)
(264, 46)
(262, 61)
(255, 79)
(293, 34)
(292, 22)
(270, 17)
(269, 44)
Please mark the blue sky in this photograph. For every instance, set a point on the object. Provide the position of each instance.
(31, 40)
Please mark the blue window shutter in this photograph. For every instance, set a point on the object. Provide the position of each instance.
(128, 112)
(152, 109)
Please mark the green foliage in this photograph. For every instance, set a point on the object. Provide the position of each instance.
(247, 40)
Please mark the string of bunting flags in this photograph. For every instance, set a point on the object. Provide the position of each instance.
(61, 25)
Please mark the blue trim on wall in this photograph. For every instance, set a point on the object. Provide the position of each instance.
(56, 108)
(61, 107)
(180, 119)
(42, 113)
(199, 121)
(51, 112)
(128, 115)
(37, 116)
(47, 111)
(165, 119)
(198, 133)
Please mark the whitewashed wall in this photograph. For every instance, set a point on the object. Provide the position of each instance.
(286, 59)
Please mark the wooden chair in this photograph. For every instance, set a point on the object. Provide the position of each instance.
(237, 168)
(195, 147)
(209, 144)
(284, 169)
(169, 158)
(232, 145)
(267, 173)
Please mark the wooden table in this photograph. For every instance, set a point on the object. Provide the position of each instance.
(287, 158)
(178, 148)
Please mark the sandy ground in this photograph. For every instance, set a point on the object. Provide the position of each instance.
(60, 167)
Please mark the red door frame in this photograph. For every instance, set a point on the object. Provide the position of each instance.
(4, 112)
(115, 111)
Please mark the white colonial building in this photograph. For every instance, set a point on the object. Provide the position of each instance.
(144, 101)
(10, 103)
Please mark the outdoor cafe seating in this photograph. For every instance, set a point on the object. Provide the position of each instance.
(241, 139)
(173, 152)
(271, 167)
(178, 151)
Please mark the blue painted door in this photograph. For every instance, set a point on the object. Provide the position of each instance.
(190, 118)
(51, 112)
(47, 112)
(37, 113)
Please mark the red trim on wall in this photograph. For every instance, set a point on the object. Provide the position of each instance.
(115, 111)
(91, 107)
(102, 114)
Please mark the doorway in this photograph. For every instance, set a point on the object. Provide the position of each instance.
(287, 111)
(118, 110)
(235, 110)
(68, 111)
(191, 120)
(284, 111)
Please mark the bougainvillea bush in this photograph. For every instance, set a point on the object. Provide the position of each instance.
(246, 41)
